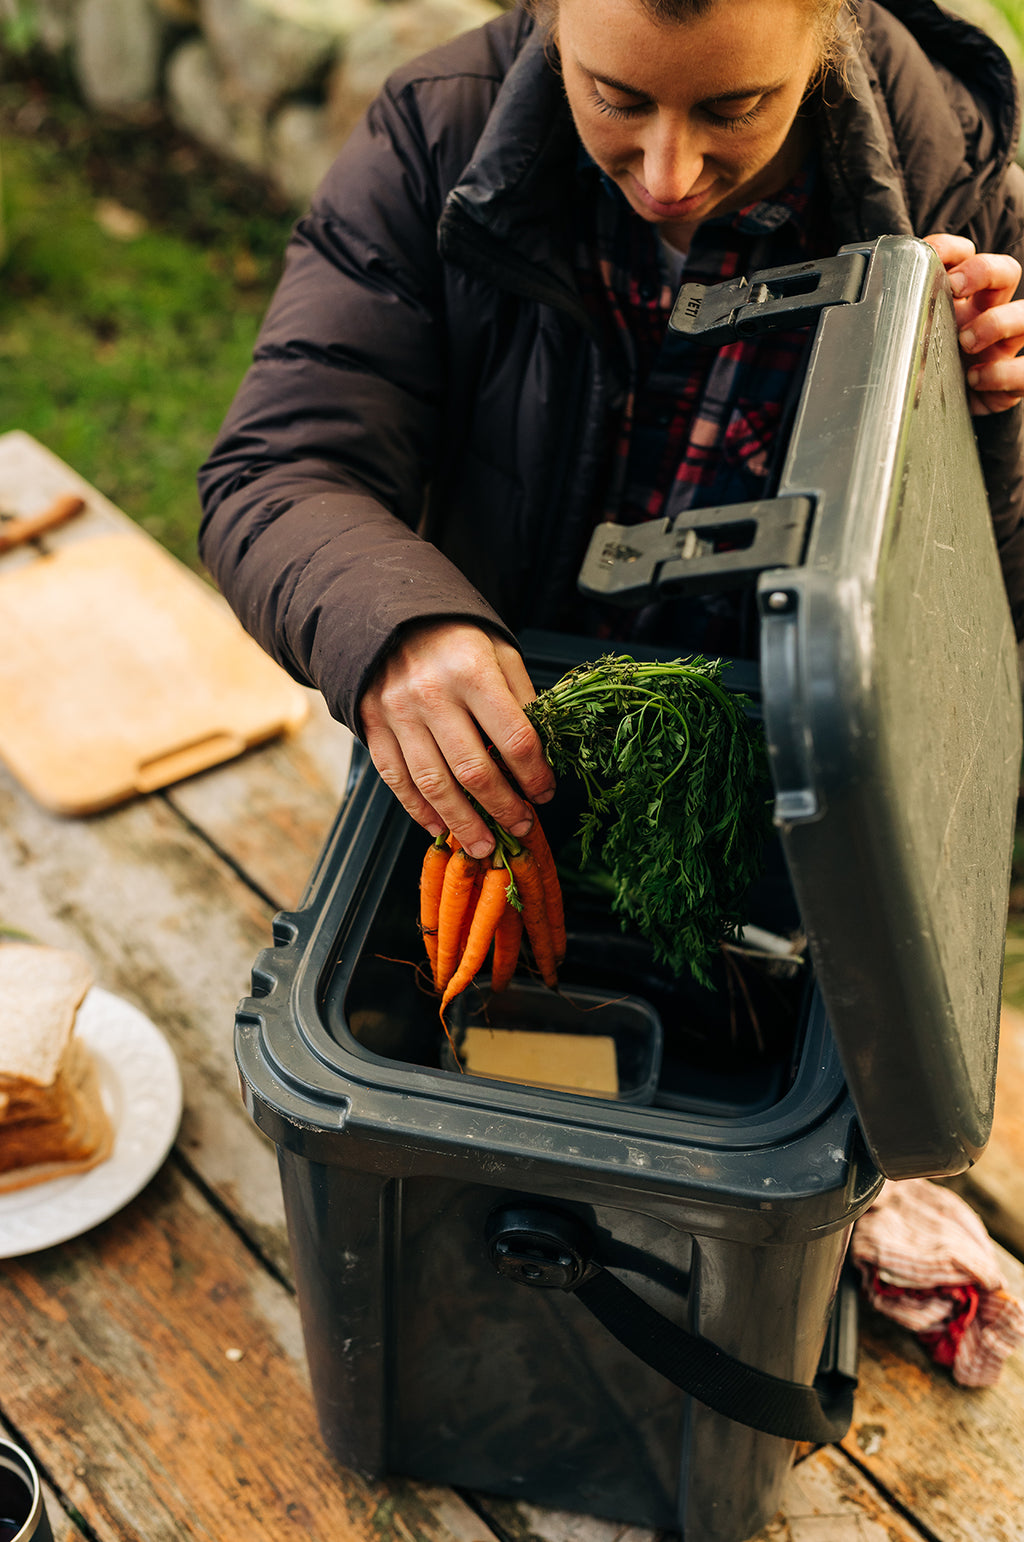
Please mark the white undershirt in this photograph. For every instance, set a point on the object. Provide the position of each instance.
(675, 261)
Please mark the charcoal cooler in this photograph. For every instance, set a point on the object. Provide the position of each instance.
(443, 1226)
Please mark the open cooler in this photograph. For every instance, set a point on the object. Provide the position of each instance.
(507, 1285)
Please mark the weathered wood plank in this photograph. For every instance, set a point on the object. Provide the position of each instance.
(270, 810)
(63, 1527)
(158, 1371)
(521, 1522)
(827, 1500)
(949, 1455)
(995, 1185)
(61, 1524)
(169, 926)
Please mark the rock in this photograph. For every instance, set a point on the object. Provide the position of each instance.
(117, 221)
(199, 103)
(54, 24)
(269, 49)
(181, 13)
(395, 34)
(299, 152)
(117, 53)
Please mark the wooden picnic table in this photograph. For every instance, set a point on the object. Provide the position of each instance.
(154, 1366)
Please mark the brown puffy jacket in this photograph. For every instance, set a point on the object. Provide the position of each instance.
(427, 366)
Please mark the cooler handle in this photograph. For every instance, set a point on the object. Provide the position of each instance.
(548, 1249)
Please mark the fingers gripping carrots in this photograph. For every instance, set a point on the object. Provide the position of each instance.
(466, 905)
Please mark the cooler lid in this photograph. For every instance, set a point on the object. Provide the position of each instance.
(892, 714)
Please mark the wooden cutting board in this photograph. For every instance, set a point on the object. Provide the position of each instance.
(121, 671)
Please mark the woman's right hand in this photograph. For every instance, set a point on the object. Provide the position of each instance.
(446, 692)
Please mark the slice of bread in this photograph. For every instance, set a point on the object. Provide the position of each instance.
(52, 1119)
(41, 989)
(70, 1134)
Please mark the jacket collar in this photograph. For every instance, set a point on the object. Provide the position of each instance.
(965, 115)
(511, 198)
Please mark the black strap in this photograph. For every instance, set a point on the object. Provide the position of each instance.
(789, 1409)
(545, 1248)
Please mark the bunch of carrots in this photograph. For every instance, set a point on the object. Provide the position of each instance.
(469, 904)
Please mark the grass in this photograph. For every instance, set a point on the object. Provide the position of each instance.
(121, 351)
(1013, 11)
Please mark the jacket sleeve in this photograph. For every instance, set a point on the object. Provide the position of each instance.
(315, 486)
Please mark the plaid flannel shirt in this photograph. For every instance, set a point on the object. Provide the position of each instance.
(695, 425)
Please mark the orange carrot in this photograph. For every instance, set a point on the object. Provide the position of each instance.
(535, 917)
(490, 906)
(507, 938)
(456, 896)
(467, 920)
(435, 860)
(537, 842)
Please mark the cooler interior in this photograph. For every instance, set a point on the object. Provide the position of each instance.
(732, 1050)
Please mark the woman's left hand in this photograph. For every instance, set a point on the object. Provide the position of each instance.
(990, 322)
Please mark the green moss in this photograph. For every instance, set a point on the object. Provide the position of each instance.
(122, 355)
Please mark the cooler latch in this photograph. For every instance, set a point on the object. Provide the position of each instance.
(791, 296)
(698, 551)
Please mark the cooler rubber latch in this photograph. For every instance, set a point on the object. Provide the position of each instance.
(537, 1246)
(791, 296)
(699, 551)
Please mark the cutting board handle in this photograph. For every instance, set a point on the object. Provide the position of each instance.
(186, 760)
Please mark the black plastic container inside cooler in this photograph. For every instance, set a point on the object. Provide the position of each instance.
(888, 686)
(615, 1042)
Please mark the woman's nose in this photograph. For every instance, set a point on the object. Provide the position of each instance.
(672, 161)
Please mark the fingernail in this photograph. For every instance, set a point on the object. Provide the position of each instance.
(968, 340)
(957, 283)
(435, 830)
(973, 377)
(522, 828)
(480, 848)
(546, 796)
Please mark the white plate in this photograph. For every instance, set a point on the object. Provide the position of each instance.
(141, 1087)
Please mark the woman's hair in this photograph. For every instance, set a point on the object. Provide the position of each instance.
(831, 17)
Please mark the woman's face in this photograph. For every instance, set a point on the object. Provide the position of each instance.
(689, 118)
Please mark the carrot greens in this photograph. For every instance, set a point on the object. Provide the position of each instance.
(675, 777)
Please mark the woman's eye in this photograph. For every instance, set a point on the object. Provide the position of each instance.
(616, 109)
(734, 120)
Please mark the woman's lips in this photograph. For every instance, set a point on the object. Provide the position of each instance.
(669, 211)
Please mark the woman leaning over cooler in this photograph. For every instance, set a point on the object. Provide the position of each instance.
(464, 367)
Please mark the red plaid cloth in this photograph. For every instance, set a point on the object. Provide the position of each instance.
(691, 425)
(926, 1261)
(696, 424)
